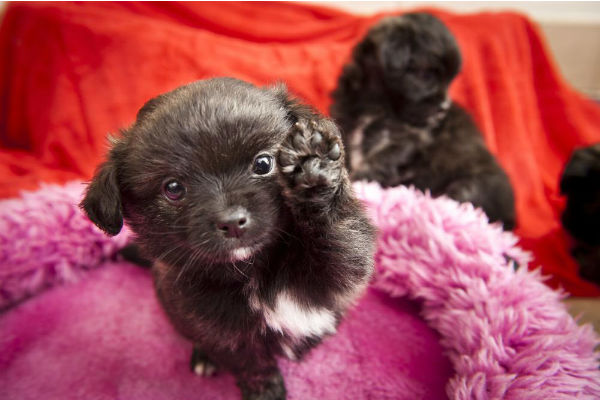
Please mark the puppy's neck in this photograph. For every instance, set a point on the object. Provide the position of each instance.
(434, 120)
(185, 274)
(421, 115)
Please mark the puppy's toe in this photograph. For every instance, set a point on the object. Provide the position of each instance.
(335, 152)
(205, 368)
(201, 365)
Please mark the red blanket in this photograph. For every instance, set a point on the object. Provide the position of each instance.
(71, 73)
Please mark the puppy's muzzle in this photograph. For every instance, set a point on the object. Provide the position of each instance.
(233, 222)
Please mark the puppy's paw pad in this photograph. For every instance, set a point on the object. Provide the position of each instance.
(205, 368)
(312, 154)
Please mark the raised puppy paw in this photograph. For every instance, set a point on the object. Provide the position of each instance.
(311, 159)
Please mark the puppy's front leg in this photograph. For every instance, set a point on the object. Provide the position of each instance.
(266, 384)
(250, 361)
(256, 372)
(311, 161)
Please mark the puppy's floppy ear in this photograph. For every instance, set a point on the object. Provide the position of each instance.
(452, 58)
(102, 201)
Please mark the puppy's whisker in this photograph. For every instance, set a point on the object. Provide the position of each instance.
(282, 233)
(239, 270)
(168, 230)
(169, 251)
(181, 255)
(187, 227)
(165, 233)
(203, 242)
(188, 263)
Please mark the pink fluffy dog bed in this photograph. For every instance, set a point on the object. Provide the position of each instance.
(446, 316)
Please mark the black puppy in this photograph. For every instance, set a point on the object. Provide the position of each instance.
(580, 182)
(240, 197)
(401, 128)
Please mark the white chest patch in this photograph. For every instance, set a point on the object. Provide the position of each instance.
(297, 320)
(356, 139)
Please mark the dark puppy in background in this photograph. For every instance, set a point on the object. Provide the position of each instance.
(240, 197)
(580, 183)
(400, 127)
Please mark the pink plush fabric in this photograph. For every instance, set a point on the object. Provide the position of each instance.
(46, 240)
(443, 286)
(107, 338)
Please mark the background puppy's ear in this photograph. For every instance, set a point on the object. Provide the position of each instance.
(452, 58)
(573, 173)
(102, 201)
(583, 164)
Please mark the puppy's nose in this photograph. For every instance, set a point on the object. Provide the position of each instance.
(234, 222)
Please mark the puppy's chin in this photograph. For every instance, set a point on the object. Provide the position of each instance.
(242, 253)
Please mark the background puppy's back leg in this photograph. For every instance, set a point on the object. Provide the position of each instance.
(491, 192)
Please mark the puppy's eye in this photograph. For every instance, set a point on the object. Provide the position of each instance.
(263, 164)
(173, 190)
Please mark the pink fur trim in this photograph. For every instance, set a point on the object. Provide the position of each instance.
(46, 240)
(506, 333)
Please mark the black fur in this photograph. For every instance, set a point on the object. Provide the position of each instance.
(309, 235)
(580, 183)
(399, 126)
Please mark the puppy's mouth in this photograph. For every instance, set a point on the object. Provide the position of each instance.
(228, 250)
(232, 254)
(234, 250)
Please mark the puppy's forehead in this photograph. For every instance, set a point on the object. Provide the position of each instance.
(419, 27)
(428, 39)
(219, 114)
